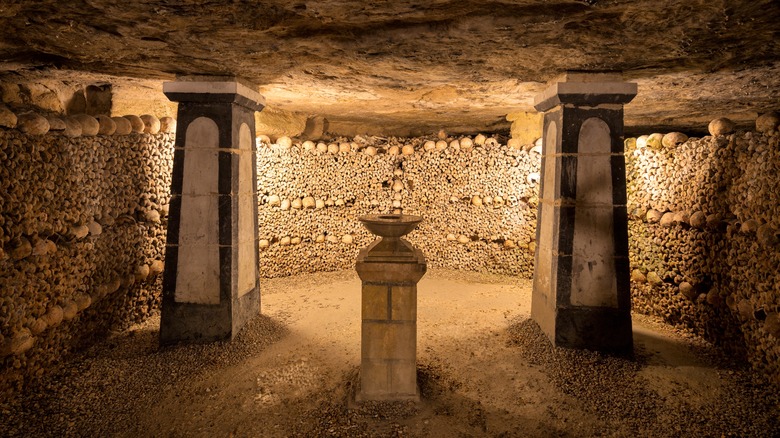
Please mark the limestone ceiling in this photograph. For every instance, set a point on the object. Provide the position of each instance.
(458, 65)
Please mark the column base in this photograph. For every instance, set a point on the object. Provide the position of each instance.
(360, 397)
(591, 328)
(594, 328)
(200, 323)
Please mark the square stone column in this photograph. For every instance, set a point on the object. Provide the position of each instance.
(388, 365)
(210, 284)
(581, 296)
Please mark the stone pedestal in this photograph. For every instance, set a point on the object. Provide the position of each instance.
(389, 269)
(210, 285)
(581, 295)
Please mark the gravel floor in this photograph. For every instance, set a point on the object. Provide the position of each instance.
(484, 369)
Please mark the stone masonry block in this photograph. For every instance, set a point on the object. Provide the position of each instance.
(404, 303)
(374, 377)
(403, 377)
(397, 341)
(374, 301)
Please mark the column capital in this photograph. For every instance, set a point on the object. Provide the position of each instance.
(587, 89)
(225, 89)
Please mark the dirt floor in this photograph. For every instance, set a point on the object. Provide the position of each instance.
(484, 369)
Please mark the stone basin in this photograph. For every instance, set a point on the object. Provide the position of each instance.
(390, 225)
(390, 247)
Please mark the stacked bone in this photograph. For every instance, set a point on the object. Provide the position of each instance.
(310, 196)
(82, 233)
(704, 236)
(479, 205)
(478, 199)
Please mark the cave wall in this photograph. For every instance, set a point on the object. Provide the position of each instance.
(478, 202)
(703, 239)
(82, 226)
(83, 236)
(704, 215)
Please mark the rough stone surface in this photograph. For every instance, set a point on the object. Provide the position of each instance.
(275, 122)
(405, 68)
(315, 128)
(526, 126)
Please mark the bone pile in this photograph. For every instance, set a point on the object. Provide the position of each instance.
(84, 204)
(478, 199)
(82, 231)
(704, 228)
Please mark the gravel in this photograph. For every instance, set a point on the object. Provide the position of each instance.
(613, 390)
(98, 392)
(482, 371)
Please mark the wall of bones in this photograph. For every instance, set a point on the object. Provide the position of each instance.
(84, 201)
(81, 230)
(477, 196)
(704, 224)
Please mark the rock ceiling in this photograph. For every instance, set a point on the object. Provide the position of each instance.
(416, 66)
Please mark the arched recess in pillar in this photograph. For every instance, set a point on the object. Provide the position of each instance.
(593, 266)
(544, 279)
(197, 270)
(247, 219)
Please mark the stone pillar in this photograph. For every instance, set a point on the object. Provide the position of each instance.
(581, 296)
(389, 269)
(210, 285)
